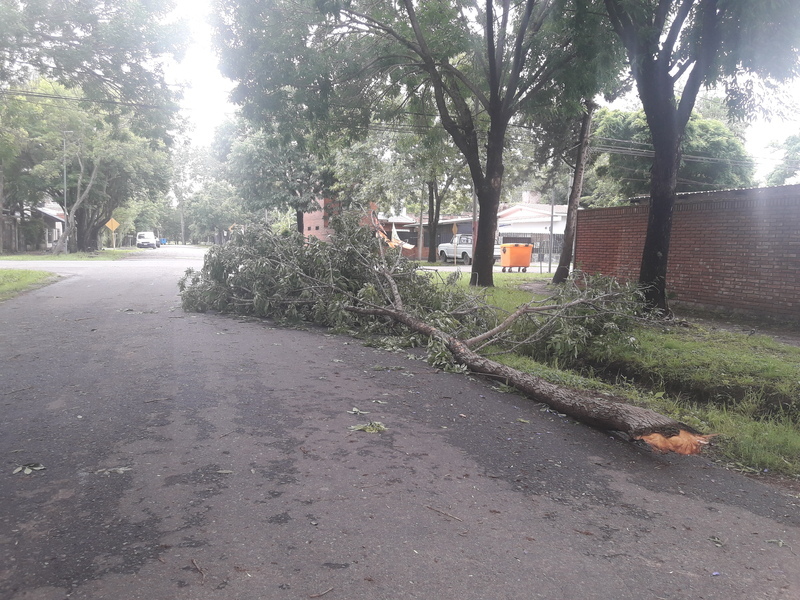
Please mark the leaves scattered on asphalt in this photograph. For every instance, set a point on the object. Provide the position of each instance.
(28, 468)
(781, 544)
(371, 427)
(117, 470)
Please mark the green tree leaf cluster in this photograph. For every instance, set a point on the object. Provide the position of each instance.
(713, 157)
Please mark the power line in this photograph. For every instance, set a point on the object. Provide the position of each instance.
(44, 96)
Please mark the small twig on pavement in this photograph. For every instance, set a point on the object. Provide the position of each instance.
(199, 570)
(19, 390)
(321, 593)
(441, 512)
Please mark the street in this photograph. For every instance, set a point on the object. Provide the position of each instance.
(198, 456)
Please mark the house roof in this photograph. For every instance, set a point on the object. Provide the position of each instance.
(58, 215)
(525, 212)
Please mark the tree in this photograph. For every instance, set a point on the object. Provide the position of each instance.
(272, 171)
(712, 156)
(675, 47)
(13, 137)
(790, 163)
(55, 146)
(192, 168)
(132, 168)
(113, 51)
(581, 158)
(353, 282)
(81, 193)
(485, 63)
(390, 168)
(212, 211)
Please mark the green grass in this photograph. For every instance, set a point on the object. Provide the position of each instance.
(711, 367)
(16, 281)
(742, 441)
(506, 294)
(100, 255)
(767, 445)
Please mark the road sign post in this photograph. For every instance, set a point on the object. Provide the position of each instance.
(112, 224)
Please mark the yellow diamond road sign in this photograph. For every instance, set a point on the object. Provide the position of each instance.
(112, 224)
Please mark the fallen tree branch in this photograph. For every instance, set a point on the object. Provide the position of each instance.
(606, 412)
(527, 309)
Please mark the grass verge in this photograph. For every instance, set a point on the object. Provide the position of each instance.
(16, 281)
(107, 254)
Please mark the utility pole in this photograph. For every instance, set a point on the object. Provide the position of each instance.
(64, 165)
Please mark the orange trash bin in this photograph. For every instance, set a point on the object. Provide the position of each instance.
(515, 255)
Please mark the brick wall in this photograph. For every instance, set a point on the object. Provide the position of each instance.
(317, 223)
(735, 250)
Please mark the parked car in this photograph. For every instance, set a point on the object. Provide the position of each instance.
(147, 239)
(461, 247)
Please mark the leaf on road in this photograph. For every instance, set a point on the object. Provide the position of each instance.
(29, 468)
(357, 411)
(117, 470)
(224, 472)
(371, 427)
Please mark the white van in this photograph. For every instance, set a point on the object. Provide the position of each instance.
(147, 239)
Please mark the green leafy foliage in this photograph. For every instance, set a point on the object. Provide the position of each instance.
(285, 277)
(112, 50)
(603, 317)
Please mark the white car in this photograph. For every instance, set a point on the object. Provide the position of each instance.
(147, 239)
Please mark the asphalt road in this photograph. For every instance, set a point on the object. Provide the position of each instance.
(199, 456)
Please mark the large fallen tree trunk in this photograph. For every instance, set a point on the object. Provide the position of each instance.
(660, 431)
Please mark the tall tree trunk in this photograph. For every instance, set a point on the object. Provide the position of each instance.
(63, 244)
(562, 271)
(666, 134)
(655, 255)
(434, 206)
(2, 205)
(300, 223)
(488, 203)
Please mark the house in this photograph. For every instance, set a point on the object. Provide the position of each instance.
(54, 222)
(531, 218)
(524, 223)
(37, 229)
(527, 222)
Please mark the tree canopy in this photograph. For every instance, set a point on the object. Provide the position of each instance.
(485, 63)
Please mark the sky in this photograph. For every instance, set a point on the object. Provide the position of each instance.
(205, 99)
(206, 105)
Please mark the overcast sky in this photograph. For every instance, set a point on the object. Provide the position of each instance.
(205, 101)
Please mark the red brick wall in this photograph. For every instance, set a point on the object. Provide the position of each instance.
(317, 223)
(736, 250)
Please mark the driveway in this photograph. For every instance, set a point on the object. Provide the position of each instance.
(198, 456)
